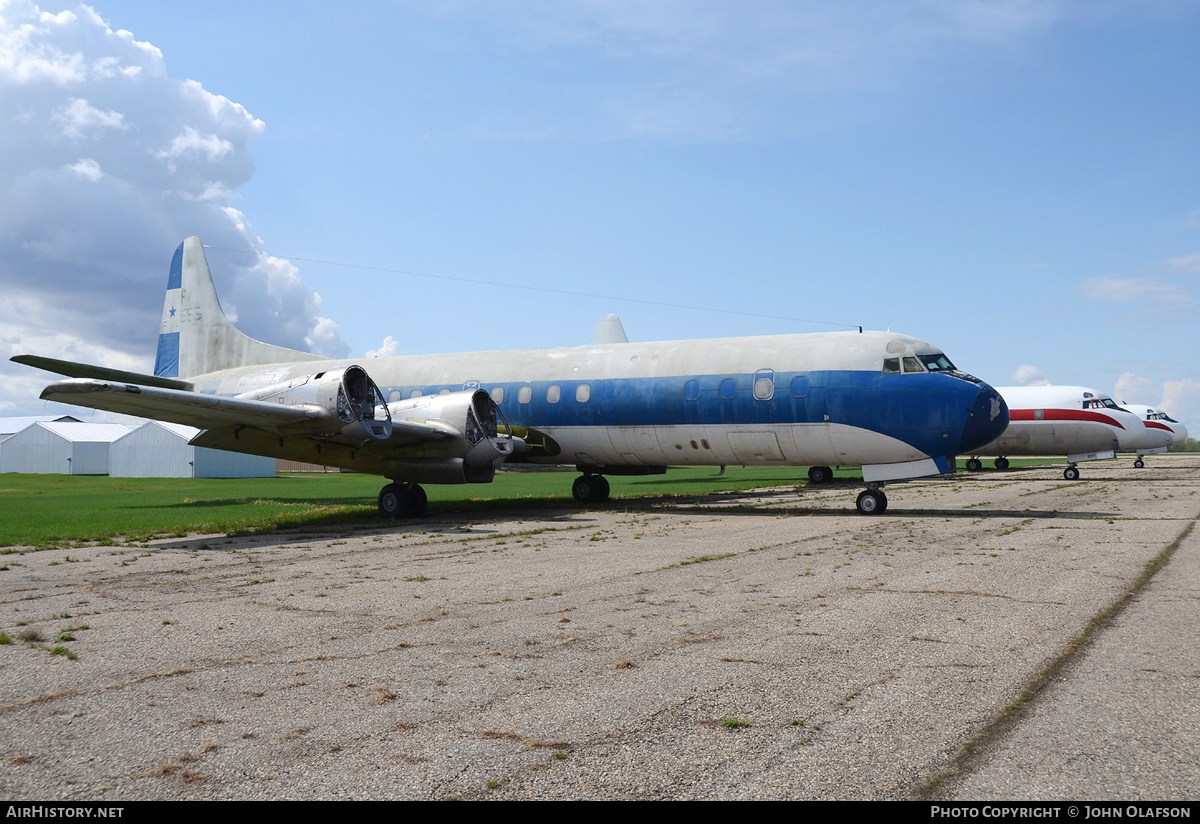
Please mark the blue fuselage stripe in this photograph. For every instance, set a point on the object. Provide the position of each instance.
(924, 410)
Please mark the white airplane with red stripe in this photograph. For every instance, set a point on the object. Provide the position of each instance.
(1156, 419)
(1081, 423)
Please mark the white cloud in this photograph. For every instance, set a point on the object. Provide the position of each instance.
(78, 116)
(1181, 399)
(87, 169)
(390, 347)
(88, 236)
(1129, 290)
(1131, 388)
(190, 143)
(1028, 375)
(1185, 263)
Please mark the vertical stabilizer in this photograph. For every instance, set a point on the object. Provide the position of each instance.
(195, 337)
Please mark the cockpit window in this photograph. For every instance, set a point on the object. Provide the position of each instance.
(1101, 403)
(937, 363)
(891, 366)
(912, 365)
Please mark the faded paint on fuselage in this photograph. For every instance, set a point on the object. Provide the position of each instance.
(794, 399)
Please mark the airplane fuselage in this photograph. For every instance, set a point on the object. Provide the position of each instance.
(782, 400)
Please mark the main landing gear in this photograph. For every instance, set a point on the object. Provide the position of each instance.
(818, 475)
(397, 500)
(871, 502)
(974, 464)
(590, 489)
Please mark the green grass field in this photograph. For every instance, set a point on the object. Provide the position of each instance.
(48, 510)
(36, 510)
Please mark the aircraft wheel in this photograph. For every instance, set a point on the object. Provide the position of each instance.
(974, 464)
(401, 501)
(590, 489)
(871, 502)
(1002, 463)
(1139, 463)
(391, 501)
(602, 490)
(420, 501)
(818, 475)
(1071, 473)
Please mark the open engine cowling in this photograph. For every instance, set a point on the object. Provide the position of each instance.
(453, 438)
(342, 404)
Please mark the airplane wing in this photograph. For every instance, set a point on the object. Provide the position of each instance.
(336, 417)
(179, 406)
(87, 370)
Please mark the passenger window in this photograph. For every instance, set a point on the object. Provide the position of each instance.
(525, 394)
(891, 366)
(800, 386)
(416, 393)
(394, 396)
(764, 385)
(912, 365)
(583, 393)
(1038, 414)
(553, 393)
(443, 391)
(691, 391)
(498, 394)
(728, 389)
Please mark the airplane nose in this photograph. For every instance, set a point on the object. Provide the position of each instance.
(987, 420)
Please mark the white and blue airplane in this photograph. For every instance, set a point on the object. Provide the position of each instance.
(892, 404)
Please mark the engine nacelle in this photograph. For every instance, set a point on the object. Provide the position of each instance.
(342, 404)
(448, 438)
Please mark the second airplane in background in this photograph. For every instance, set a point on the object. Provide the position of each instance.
(1074, 421)
(1155, 419)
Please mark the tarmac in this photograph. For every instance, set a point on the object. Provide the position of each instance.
(772, 644)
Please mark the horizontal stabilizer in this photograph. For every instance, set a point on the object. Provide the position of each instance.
(177, 406)
(85, 370)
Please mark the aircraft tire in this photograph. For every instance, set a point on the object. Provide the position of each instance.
(1002, 463)
(1071, 473)
(400, 501)
(871, 502)
(420, 501)
(974, 464)
(601, 490)
(391, 501)
(818, 475)
(1139, 463)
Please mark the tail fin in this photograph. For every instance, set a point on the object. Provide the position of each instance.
(195, 337)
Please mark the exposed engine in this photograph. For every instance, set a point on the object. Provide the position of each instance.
(454, 438)
(343, 404)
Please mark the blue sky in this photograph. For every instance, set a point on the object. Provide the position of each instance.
(1016, 182)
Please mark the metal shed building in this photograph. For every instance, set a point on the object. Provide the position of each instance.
(47, 448)
(161, 450)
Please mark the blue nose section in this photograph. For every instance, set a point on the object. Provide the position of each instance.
(987, 420)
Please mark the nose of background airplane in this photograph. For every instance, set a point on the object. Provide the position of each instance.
(987, 420)
(1179, 433)
(1138, 435)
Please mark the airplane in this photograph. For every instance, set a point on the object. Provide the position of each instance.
(892, 404)
(1156, 419)
(1075, 420)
